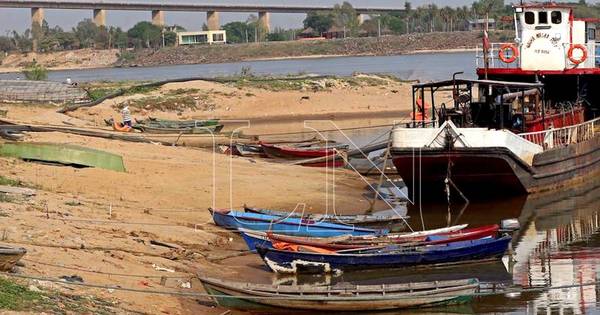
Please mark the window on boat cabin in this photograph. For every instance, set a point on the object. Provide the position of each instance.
(556, 17)
(591, 34)
(543, 17)
(529, 18)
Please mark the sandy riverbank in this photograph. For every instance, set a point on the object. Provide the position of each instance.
(98, 224)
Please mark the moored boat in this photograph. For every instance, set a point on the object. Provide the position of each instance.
(291, 226)
(341, 297)
(485, 141)
(183, 130)
(9, 256)
(164, 123)
(288, 261)
(299, 153)
(393, 222)
(255, 238)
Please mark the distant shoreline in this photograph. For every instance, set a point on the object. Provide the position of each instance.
(398, 45)
(8, 70)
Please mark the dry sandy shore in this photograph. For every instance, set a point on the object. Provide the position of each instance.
(98, 224)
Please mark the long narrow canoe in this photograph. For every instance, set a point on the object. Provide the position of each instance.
(254, 238)
(298, 153)
(287, 261)
(9, 256)
(290, 226)
(191, 130)
(338, 298)
(164, 123)
(370, 221)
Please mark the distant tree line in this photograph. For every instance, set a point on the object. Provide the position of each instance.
(88, 35)
(428, 18)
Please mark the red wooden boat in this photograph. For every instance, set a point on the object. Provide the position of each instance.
(298, 153)
(362, 242)
(277, 151)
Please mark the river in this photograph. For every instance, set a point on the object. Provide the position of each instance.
(426, 66)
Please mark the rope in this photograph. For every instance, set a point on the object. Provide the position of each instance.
(102, 272)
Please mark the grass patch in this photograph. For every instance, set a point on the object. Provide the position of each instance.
(5, 181)
(15, 297)
(98, 90)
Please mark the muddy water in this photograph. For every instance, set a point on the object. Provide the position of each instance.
(558, 245)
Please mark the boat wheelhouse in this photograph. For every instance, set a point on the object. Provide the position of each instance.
(493, 137)
(551, 46)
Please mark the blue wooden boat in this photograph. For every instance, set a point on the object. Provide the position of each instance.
(285, 261)
(231, 219)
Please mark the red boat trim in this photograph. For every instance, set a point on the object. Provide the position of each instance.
(518, 71)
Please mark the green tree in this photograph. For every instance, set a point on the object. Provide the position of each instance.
(35, 72)
(145, 34)
(239, 32)
(320, 22)
(86, 33)
(345, 17)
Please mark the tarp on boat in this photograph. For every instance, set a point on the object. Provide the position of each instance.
(65, 154)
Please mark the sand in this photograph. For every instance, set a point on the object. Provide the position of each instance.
(98, 223)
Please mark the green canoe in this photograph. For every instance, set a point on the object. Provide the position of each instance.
(65, 154)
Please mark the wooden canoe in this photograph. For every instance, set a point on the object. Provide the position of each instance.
(9, 256)
(340, 297)
(193, 130)
(299, 153)
(292, 226)
(254, 238)
(164, 123)
(369, 221)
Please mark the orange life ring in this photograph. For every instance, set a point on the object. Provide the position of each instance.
(502, 53)
(583, 55)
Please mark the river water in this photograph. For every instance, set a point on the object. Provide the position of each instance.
(428, 66)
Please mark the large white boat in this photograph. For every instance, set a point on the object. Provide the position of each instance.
(527, 125)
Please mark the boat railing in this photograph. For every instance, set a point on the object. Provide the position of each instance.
(418, 123)
(493, 57)
(553, 138)
(592, 60)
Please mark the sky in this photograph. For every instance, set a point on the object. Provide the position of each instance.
(19, 19)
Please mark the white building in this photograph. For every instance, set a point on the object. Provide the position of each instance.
(201, 37)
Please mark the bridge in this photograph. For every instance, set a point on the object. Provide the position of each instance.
(100, 7)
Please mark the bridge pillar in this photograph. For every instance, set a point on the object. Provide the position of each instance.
(37, 19)
(100, 17)
(264, 21)
(264, 24)
(212, 21)
(158, 18)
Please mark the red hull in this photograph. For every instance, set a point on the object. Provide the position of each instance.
(278, 151)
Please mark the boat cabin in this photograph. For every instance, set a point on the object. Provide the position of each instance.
(547, 38)
(516, 106)
(553, 47)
